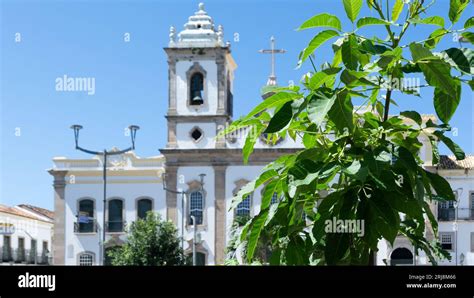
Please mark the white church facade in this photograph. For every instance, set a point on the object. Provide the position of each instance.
(205, 171)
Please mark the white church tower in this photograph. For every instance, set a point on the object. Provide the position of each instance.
(201, 72)
(209, 170)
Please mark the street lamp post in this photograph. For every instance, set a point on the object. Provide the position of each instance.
(133, 132)
(458, 192)
(194, 239)
(183, 196)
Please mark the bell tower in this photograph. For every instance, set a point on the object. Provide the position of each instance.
(201, 72)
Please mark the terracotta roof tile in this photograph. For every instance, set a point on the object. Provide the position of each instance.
(45, 212)
(17, 212)
(450, 163)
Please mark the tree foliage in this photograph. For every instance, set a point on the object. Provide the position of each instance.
(150, 242)
(358, 163)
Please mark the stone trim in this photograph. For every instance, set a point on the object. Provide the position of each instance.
(196, 118)
(224, 61)
(172, 142)
(197, 54)
(195, 186)
(229, 156)
(190, 133)
(113, 241)
(171, 197)
(59, 248)
(221, 84)
(220, 213)
(172, 86)
(220, 141)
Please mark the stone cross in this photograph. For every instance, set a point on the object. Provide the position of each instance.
(272, 78)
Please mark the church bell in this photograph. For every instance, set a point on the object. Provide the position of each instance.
(197, 98)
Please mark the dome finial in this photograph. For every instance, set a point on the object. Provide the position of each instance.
(201, 6)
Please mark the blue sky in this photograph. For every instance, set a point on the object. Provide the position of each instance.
(86, 39)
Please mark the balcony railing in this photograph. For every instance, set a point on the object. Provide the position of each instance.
(451, 214)
(90, 227)
(24, 256)
(7, 254)
(446, 214)
(20, 254)
(115, 226)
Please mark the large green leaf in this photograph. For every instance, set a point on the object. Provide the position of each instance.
(336, 247)
(270, 189)
(446, 103)
(435, 37)
(434, 20)
(461, 58)
(322, 20)
(441, 186)
(350, 52)
(321, 77)
(316, 42)
(319, 105)
(458, 152)
(352, 8)
(367, 46)
(436, 71)
(250, 141)
(435, 151)
(456, 7)
(397, 9)
(406, 159)
(469, 36)
(281, 118)
(419, 52)
(276, 99)
(414, 115)
(368, 21)
(255, 231)
(389, 226)
(469, 23)
(353, 78)
(341, 112)
(357, 170)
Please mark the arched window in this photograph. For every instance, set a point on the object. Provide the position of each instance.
(86, 259)
(143, 207)
(197, 86)
(86, 216)
(115, 222)
(243, 209)
(200, 258)
(401, 256)
(196, 204)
